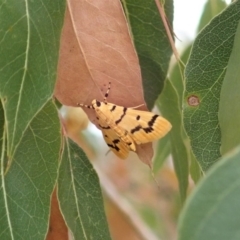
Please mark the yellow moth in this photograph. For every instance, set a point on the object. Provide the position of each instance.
(123, 127)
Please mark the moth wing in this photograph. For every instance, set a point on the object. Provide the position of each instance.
(119, 147)
(149, 127)
(142, 126)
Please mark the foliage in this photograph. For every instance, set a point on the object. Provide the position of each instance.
(201, 101)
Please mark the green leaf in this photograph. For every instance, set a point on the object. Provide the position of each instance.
(30, 35)
(194, 167)
(213, 210)
(204, 75)
(176, 76)
(1, 128)
(80, 195)
(229, 109)
(169, 106)
(211, 9)
(26, 187)
(177, 84)
(151, 42)
(163, 150)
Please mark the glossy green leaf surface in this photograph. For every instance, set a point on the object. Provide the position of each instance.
(211, 9)
(169, 105)
(229, 108)
(213, 210)
(177, 83)
(26, 187)
(80, 196)
(204, 75)
(29, 46)
(194, 168)
(163, 150)
(151, 42)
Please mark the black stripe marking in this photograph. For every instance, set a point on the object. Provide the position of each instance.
(122, 116)
(114, 145)
(146, 129)
(113, 108)
(152, 121)
(137, 128)
(103, 127)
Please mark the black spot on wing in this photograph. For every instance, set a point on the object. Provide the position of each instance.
(103, 127)
(138, 117)
(122, 116)
(114, 145)
(115, 141)
(113, 108)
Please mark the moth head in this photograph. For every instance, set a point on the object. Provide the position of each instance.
(96, 103)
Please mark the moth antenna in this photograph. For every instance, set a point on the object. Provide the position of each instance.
(106, 94)
(84, 105)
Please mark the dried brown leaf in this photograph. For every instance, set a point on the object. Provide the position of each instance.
(96, 48)
(57, 226)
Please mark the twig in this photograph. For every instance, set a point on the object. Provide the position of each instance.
(144, 232)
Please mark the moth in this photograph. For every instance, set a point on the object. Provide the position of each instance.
(123, 128)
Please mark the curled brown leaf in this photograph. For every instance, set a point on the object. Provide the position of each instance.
(96, 48)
